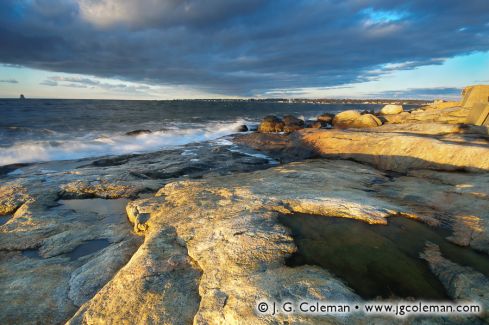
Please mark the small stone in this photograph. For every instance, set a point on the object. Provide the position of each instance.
(242, 128)
(138, 132)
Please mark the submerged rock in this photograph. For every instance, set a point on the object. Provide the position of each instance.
(462, 283)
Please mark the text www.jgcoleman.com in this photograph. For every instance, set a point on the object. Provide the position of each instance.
(397, 309)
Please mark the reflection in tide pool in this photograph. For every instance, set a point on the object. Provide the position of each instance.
(100, 206)
(4, 219)
(88, 247)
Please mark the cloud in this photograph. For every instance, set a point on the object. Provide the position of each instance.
(76, 79)
(48, 82)
(144, 13)
(244, 47)
(422, 93)
(75, 85)
(85, 82)
(9, 81)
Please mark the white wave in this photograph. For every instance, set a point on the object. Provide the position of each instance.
(35, 151)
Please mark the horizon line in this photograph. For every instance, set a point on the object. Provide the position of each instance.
(230, 99)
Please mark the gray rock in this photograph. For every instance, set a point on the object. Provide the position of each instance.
(138, 132)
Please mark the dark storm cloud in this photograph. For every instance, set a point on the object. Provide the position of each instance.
(239, 47)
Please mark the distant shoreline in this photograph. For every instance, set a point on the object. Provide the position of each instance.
(324, 101)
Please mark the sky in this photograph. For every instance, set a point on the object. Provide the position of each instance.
(168, 49)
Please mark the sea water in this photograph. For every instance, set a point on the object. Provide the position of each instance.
(37, 130)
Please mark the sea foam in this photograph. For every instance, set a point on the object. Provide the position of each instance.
(113, 144)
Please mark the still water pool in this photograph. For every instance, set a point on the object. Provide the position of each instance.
(377, 260)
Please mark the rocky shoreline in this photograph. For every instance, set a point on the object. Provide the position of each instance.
(200, 241)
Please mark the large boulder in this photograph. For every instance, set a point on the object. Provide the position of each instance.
(345, 119)
(292, 123)
(366, 121)
(353, 119)
(391, 109)
(396, 118)
(326, 118)
(271, 123)
(473, 95)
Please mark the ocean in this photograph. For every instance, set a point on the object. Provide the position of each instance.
(38, 130)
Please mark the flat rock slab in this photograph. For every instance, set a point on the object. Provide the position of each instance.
(396, 148)
(223, 237)
(55, 254)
